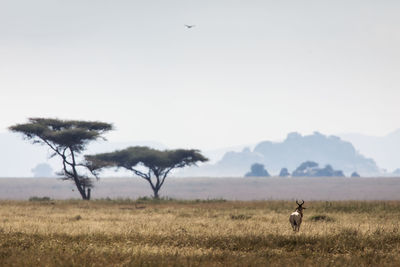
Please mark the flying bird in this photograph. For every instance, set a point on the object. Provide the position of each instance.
(189, 26)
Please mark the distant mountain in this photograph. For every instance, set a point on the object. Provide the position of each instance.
(396, 172)
(18, 157)
(215, 155)
(384, 150)
(290, 153)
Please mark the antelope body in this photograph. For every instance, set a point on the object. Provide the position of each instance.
(296, 217)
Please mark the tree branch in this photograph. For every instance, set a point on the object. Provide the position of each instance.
(147, 177)
(57, 151)
(165, 175)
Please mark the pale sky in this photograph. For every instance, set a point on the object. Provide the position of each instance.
(248, 71)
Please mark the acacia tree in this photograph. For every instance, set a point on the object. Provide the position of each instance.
(150, 164)
(67, 139)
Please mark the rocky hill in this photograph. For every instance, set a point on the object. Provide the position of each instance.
(290, 153)
(385, 150)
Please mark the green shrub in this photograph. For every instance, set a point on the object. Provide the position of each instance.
(321, 218)
(39, 199)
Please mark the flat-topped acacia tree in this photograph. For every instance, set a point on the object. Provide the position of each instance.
(67, 139)
(150, 164)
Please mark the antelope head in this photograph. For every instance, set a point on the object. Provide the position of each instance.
(300, 207)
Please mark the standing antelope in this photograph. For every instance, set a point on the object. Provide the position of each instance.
(297, 216)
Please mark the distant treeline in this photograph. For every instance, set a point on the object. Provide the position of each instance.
(306, 169)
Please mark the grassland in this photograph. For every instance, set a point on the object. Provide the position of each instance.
(197, 233)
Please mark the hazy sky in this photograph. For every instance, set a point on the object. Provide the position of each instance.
(248, 71)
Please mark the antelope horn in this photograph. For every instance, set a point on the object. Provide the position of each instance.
(302, 203)
(297, 202)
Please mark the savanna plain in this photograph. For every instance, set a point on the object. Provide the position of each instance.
(167, 232)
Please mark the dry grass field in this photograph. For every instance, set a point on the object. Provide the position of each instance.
(197, 233)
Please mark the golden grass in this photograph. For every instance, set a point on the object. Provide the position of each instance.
(202, 233)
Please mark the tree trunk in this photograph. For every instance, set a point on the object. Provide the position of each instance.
(88, 194)
(156, 196)
(82, 190)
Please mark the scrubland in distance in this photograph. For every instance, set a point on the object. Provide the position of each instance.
(197, 233)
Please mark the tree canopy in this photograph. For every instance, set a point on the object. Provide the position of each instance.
(284, 172)
(157, 164)
(67, 139)
(311, 169)
(64, 133)
(257, 170)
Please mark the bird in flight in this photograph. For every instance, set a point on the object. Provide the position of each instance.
(189, 26)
